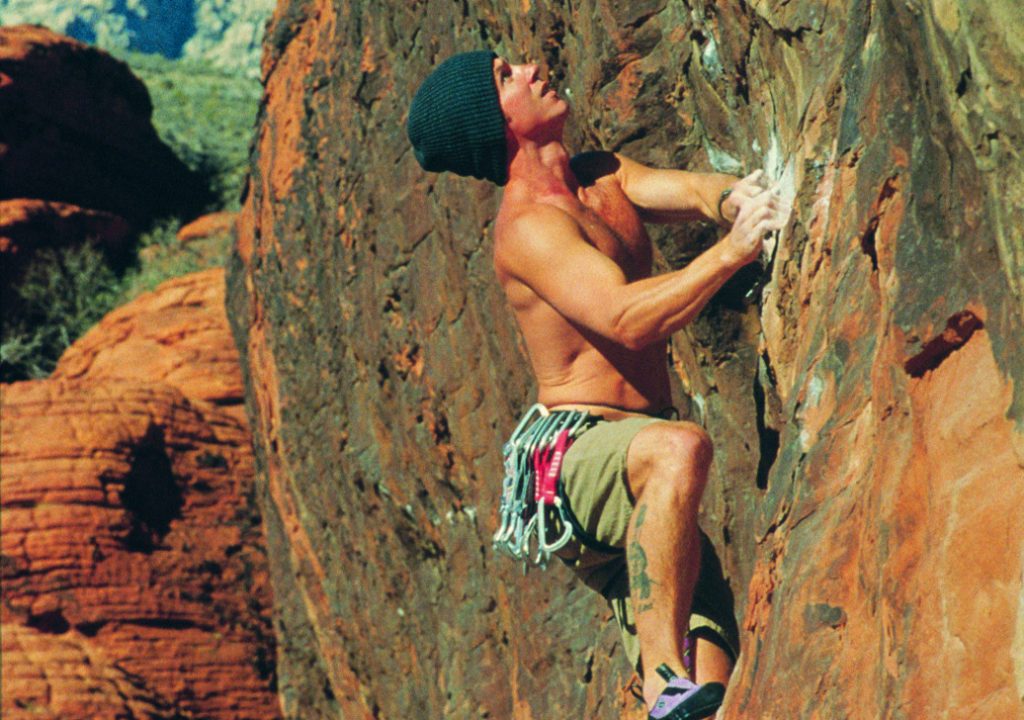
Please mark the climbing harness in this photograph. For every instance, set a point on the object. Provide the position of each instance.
(531, 496)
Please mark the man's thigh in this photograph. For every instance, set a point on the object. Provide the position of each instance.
(595, 482)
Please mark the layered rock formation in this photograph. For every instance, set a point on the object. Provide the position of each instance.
(135, 579)
(177, 337)
(75, 127)
(866, 404)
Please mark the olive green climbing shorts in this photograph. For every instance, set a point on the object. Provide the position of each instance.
(594, 478)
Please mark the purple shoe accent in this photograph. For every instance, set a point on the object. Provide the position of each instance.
(685, 700)
(677, 693)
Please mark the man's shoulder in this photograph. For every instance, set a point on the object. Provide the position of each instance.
(594, 165)
(534, 232)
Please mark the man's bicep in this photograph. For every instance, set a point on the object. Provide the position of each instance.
(554, 260)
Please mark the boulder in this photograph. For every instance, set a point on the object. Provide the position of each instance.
(130, 555)
(27, 225)
(135, 579)
(76, 127)
(55, 676)
(177, 335)
(864, 387)
(210, 225)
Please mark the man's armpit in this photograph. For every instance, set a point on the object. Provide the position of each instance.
(589, 167)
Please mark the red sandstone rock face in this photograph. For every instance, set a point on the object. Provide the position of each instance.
(134, 576)
(177, 335)
(75, 127)
(866, 407)
(27, 225)
(219, 223)
(56, 676)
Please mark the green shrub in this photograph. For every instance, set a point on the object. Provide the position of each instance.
(205, 115)
(65, 291)
(62, 294)
(162, 257)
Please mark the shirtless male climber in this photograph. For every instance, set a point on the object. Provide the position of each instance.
(574, 260)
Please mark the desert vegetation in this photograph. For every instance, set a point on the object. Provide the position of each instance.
(205, 115)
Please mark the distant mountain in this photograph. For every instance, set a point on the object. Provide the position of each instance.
(225, 33)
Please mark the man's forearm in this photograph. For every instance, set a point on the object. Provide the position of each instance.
(680, 196)
(664, 195)
(652, 309)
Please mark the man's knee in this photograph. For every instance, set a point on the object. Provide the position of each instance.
(675, 456)
(679, 444)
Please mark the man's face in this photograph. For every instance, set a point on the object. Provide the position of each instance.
(531, 107)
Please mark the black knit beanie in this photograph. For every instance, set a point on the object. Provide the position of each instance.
(455, 120)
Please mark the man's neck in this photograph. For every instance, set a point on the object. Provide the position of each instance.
(543, 168)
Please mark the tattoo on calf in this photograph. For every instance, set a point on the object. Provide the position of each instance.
(639, 580)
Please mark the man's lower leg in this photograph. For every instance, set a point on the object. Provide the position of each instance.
(663, 555)
(668, 467)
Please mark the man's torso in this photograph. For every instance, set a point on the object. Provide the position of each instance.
(574, 366)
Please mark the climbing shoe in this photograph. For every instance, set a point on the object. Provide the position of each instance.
(684, 700)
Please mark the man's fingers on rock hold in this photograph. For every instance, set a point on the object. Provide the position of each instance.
(762, 230)
(749, 187)
(751, 213)
(754, 178)
(783, 210)
(775, 223)
(765, 210)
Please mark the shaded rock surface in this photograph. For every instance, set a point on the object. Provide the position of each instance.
(865, 405)
(75, 126)
(27, 226)
(135, 580)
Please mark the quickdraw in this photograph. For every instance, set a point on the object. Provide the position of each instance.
(533, 463)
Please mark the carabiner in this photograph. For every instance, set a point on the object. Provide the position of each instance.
(545, 549)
